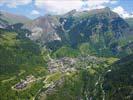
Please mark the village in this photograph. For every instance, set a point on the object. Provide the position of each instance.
(63, 65)
(23, 84)
(57, 68)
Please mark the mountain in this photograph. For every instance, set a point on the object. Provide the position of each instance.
(44, 28)
(130, 21)
(13, 18)
(119, 81)
(10, 18)
(102, 29)
(3, 23)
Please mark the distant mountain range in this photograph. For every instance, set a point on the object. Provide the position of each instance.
(13, 18)
(7, 18)
(101, 29)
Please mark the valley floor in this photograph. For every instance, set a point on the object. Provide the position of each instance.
(68, 78)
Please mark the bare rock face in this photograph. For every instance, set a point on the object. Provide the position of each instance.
(44, 29)
(3, 26)
(36, 33)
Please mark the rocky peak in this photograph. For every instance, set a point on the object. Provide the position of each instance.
(71, 13)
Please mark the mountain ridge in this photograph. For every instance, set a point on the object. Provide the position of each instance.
(100, 28)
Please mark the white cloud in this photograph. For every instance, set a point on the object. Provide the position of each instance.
(14, 3)
(35, 12)
(92, 3)
(114, 2)
(122, 12)
(58, 6)
(63, 6)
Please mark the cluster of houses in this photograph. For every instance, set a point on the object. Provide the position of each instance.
(53, 86)
(91, 59)
(63, 65)
(24, 83)
(66, 64)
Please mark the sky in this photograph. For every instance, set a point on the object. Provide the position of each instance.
(36, 8)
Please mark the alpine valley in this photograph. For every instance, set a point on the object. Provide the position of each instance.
(80, 55)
